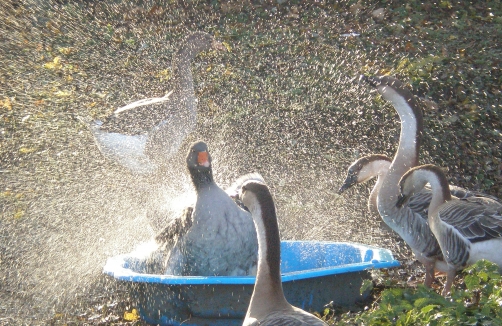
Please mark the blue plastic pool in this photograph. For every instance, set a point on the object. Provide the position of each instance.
(314, 273)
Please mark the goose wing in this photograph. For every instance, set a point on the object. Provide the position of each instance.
(462, 193)
(419, 202)
(138, 117)
(473, 219)
(175, 229)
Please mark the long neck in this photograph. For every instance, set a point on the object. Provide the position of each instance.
(268, 294)
(407, 153)
(372, 200)
(201, 178)
(183, 92)
(439, 187)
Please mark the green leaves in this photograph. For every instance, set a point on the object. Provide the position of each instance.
(479, 304)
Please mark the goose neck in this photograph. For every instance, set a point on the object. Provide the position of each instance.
(439, 187)
(201, 178)
(372, 201)
(268, 279)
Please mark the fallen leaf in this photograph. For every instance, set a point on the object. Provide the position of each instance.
(229, 48)
(39, 102)
(18, 214)
(62, 93)
(66, 50)
(131, 316)
(54, 65)
(27, 150)
(6, 103)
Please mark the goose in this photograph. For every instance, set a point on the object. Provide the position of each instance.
(467, 229)
(377, 166)
(268, 306)
(408, 224)
(214, 237)
(142, 135)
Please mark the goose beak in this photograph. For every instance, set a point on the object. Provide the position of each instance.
(369, 80)
(401, 199)
(202, 159)
(349, 182)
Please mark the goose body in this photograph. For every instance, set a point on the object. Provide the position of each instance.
(268, 306)
(142, 135)
(217, 236)
(467, 229)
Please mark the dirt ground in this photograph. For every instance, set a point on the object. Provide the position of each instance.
(284, 101)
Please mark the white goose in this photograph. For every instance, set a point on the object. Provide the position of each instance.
(467, 229)
(216, 236)
(268, 305)
(377, 166)
(142, 135)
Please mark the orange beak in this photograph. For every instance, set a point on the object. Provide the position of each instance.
(202, 159)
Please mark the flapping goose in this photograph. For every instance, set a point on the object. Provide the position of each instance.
(143, 134)
(467, 229)
(218, 237)
(268, 305)
(377, 166)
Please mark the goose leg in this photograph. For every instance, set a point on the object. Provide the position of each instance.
(450, 276)
(429, 274)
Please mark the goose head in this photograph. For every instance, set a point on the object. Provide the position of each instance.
(364, 169)
(254, 194)
(198, 42)
(415, 179)
(389, 87)
(199, 164)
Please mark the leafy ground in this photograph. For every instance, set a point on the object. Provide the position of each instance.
(284, 101)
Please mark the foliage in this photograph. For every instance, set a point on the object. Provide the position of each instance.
(480, 303)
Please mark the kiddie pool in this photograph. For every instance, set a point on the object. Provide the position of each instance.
(314, 274)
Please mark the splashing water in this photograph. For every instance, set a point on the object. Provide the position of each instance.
(284, 102)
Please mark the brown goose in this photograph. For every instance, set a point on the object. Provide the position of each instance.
(143, 134)
(216, 237)
(467, 229)
(268, 305)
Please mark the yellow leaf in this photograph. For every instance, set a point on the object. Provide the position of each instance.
(6, 103)
(27, 150)
(62, 93)
(18, 214)
(209, 68)
(91, 105)
(229, 48)
(163, 75)
(55, 64)
(66, 50)
(131, 316)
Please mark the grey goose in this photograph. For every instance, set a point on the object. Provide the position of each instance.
(467, 229)
(216, 236)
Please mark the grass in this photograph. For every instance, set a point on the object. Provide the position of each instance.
(284, 101)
